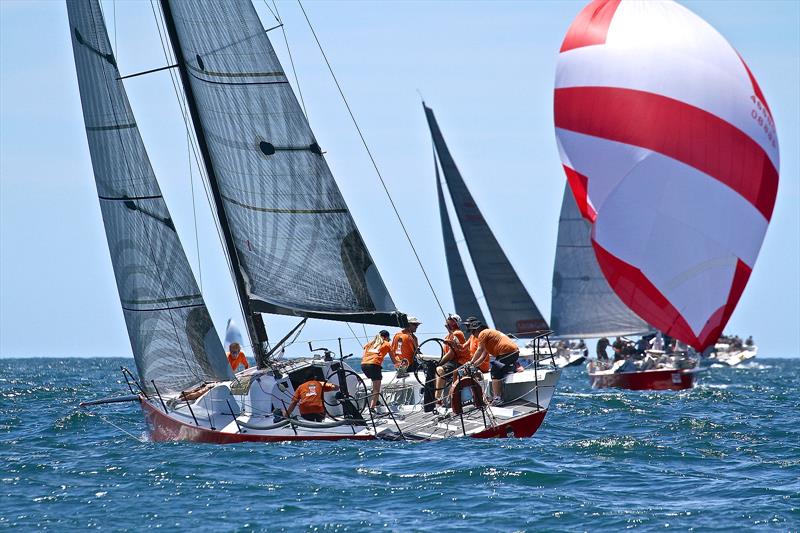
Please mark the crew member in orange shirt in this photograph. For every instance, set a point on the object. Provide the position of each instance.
(457, 354)
(310, 397)
(472, 343)
(375, 351)
(236, 357)
(504, 353)
(405, 344)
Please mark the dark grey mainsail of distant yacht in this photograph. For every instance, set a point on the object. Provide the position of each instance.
(173, 339)
(583, 305)
(510, 305)
(464, 299)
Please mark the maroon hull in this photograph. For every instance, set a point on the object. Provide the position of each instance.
(668, 379)
(524, 426)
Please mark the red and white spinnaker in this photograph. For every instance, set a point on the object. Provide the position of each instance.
(670, 150)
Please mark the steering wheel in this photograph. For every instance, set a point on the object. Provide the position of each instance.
(358, 398)
(421, 369)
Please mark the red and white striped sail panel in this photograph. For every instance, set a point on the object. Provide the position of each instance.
(670, 150)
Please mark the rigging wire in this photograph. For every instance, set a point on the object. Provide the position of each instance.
(291, 61)
(356, 335)
(194, 212)
(372, 159)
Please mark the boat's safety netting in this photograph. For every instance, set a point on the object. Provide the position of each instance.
(466, 304)
(510, 304)
(171, 333)
(583, 305)
(295, 239)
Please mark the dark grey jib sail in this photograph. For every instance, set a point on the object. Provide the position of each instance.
(171, 333)
(509, 303)
(584, 306)
(293, 238)
(464, 299)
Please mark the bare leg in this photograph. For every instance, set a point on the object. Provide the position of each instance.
(497, 388)
(439, 382)
(376, 390)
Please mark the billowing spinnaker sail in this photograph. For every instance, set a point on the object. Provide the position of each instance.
(464, 299)
(171, 333)
(509, 303)
(670, 149)
(583, 304)
(299, 249)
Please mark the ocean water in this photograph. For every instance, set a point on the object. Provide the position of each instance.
(724, 456)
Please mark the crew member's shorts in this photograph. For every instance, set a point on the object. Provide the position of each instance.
(373, 372)
(503, 365)
(313, 417)
(449, 367)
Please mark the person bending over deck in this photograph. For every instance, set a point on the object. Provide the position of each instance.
(374, 353)
(236, 357)
(602, 346)
(405, 344)
(309, 396)
(504, 352)
(457, 354)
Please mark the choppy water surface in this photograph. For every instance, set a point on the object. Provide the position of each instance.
(724, 456)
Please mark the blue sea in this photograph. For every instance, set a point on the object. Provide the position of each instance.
(724, 456)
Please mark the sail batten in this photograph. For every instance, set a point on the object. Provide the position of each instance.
(509, 302)
(294, 244)
(583, 304)
(172, 337)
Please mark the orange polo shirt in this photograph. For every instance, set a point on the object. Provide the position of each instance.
(404, 346)
(238, 359)
(496, 343)
(309, 396)
(473, 347)
(375, 356)
(462, 352)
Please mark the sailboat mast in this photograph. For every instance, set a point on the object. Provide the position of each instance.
(257, 335)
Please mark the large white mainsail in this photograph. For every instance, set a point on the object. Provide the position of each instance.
(173, 339)
(583, 304)
(294, 245)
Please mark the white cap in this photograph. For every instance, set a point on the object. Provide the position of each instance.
(454, 316)
(413, 320)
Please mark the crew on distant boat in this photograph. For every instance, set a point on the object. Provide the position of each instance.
(457, 354)
(504, 352)
(618, 346)
(749, 341)
(602, 345)
(375, 352)
(236, 357)
(405, 344)
(310, 397)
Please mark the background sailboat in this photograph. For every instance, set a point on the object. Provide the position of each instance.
(511, 307)
(583, 304)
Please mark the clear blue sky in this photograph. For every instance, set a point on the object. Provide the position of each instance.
(487, 70)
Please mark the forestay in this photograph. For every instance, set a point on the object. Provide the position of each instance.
(670, 150)
(509, 303)
(299, 249)
(583, 304)
(464, 300)
(171, 333)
